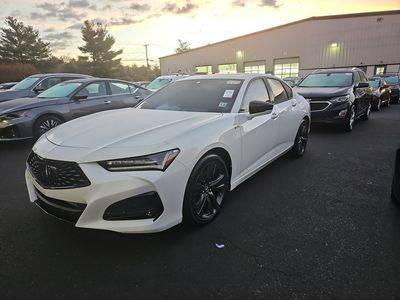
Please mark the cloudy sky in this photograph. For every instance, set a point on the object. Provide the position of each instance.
(160, 23)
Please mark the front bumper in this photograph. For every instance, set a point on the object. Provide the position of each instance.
(14, 130)
(108, 188)
(333, 114)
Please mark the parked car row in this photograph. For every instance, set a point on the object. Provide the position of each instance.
(26, 118)
(343, 96)
(177, 154)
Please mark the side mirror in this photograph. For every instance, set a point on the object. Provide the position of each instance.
(362, 85)
(256, 107)
(79, 97)
(38, 90)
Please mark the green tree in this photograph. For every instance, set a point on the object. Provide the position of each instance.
(98, 45)
(183, 46)
(21, 44)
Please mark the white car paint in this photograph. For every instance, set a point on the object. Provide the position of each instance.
(251, 141)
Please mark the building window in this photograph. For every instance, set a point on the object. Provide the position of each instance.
(380, 70)
(204, 69)
(259, 69)
(227, 69)
(286, 70)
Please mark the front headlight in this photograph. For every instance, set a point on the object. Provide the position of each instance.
(340, 99)
(14, 115)
(158, 161)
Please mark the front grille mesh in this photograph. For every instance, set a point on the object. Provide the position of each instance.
(54, 174)
(318, 106)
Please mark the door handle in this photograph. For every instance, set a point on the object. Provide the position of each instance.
(294, 103)
(107, 102)
(275, 116)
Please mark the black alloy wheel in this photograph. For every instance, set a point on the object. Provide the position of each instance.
(300, 143)
(44, 124)
(206, 189)
(350, 120)
(367, 113)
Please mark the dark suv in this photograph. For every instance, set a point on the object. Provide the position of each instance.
(393, 80)
(33, 85)
(337, 96)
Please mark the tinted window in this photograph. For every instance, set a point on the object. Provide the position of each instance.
(118, 88)
(27, 83)
(158, 83)
(133, 88)
(278, 90)
(392, 80)
(328, 80)
(374, 83)
(60, 90)
(94, 90)
(202, 95)
(48, 83)
(256, 91)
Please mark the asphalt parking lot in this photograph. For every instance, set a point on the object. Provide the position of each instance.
(322, 226)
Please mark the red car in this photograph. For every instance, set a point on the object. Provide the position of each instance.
(381, 92)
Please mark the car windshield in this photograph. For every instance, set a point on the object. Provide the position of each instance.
(328, 80)
(374, 83)
(60, 90)
(158, 83)
(202, 95)
(392, 79)
(25, 84)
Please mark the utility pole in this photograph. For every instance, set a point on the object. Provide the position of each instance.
(147, 56)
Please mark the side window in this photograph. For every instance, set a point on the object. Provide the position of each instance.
(257, 91)
(94, 89)
(356, 78)
(48, 83)
(119, 88)
(363, 78)
(288, 90)
(134, 89)
(278, 91)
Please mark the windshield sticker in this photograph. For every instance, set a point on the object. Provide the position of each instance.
(223, 105)
(229, 93)
(233, 82)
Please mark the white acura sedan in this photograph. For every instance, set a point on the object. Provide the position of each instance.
(173, 158)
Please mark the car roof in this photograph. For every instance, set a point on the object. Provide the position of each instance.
(60, 74)
(241, 76)
(350, 70)
(92, 79)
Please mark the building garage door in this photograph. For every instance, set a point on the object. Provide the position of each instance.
(286, 67)
(255, 67)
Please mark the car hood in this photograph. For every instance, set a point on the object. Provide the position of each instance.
(139, 130)
(328, 92)
(24, 103)
(11, 94)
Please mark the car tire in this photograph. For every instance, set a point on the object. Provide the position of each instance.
(367, 113)
(378, 107)
(206, 190)
(350, 120)
(300, 142)
(44, 124)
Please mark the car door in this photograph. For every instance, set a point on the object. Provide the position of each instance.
(121, 95)
(259, 133)
(284, 104)
(46, 84)
(91, 98)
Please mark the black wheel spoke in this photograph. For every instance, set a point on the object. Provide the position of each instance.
(216, 181)
(200, 205)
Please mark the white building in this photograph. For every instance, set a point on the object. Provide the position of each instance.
(370, 41)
